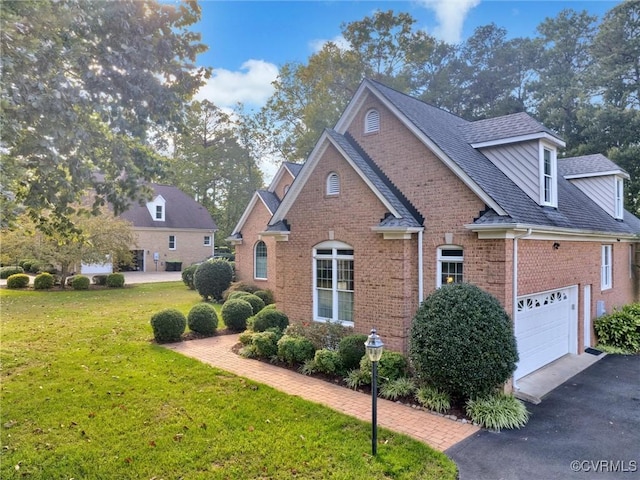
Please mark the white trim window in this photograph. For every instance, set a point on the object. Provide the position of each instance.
(159, 212)
(172, 242)
(333, 283)
(619, 205)
(450, 265)
(260, 261)
(333, 184)
(606, 281)
(206, 241)
(372, 121)
(548, 177)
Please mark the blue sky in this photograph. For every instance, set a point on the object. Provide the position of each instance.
(249, 40)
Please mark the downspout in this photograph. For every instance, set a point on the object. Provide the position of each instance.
(514, 304)
(420, 269)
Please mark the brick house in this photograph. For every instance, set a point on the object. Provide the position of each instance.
(172, 226)
(401, 197)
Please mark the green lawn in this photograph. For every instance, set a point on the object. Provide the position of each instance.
(85, 394)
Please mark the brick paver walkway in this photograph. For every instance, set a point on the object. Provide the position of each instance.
(438, 432)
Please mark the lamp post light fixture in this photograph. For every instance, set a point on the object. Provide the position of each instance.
(374, 347)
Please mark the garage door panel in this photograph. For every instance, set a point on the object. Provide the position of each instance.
(542, 329)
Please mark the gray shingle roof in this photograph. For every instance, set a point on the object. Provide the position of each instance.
(409, 216)
(585, 165)
(270, 199)
(447, 131)
(507, 126)
(294, 168)
(181, 211)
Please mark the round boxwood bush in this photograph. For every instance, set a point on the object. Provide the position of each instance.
(292, 349)
(462, 342)
(6, 272)
(256, 302)
(188, 276)
(168, 325)
(235, 313)
(265, 295)
(18, 280)
(115, 280)
(327, 361)
(212, 278)
(239, 287)
(351, 349)
(79, 282)
(270, 318)
(44, 281)
(203, 319)
(265, 344)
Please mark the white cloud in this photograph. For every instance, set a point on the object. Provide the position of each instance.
(251, 85)
(450, 15)
(339, 40)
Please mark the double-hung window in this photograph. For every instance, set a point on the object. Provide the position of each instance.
(619, 205)
(172, 242)
(450, 265)
(606, 281)
(333, 282)
(548, 177)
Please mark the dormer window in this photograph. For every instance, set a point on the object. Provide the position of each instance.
(548, 177)
(333, 184)
(157, 209)
(159, 212)
(372, 122)
(619, 199)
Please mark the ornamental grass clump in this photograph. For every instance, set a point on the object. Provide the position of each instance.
(497, 411)
(168, 325)
(433, 399)
(462, 342)
(399, 388)
(203, 319)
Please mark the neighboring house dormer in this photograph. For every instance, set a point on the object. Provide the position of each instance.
(599, 178)
(157, 208)
(523, 149)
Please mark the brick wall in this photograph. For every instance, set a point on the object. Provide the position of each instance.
(190, 246)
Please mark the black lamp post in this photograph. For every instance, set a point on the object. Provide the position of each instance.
(374, 346)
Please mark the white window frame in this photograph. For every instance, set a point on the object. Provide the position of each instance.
(549, 178)
(457, 259)
(173, 239)
(206, 241)
(372, 121)
(333, 184)
(606, 268)
(619, 198)
(337, 255)
(258, 275)
(159, 212)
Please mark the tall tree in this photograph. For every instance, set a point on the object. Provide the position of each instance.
(85, 88)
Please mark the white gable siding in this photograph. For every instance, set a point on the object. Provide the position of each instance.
(520, 163)
(600, 189)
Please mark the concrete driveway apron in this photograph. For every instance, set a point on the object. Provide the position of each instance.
(587, 428)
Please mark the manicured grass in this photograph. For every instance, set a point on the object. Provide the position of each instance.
(85, 394)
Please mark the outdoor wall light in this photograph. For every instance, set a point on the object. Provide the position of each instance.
(556, 245)
(373, 347)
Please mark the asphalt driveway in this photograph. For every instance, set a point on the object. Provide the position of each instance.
(587, 428)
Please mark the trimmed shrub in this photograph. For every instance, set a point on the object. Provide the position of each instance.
(18, 280)
(433, 399)
(256, 302)
(239, 287)
(292, 350)
(203, 319)
(620, 329)
(168, 325)
(44, 281)
(321, 334)
(246, 337)
(462, 342)
(352, 350)
(498, 411)
(265, 344)
(270, 318)
(266, 296)
(392, 366)
(99, 279)
(188, 276)
(327, 361)
(36, 267)
(212, 278)
(6, 272)
(115, 280)
(78, 282)
(235, 313)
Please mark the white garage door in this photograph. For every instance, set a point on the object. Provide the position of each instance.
(545, 328)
